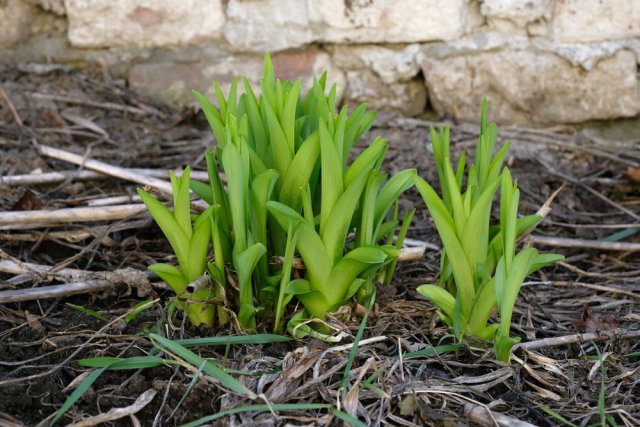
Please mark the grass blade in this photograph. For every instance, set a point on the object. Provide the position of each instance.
(118, 364)
(210, 367)
(356, 342)
(77, 393)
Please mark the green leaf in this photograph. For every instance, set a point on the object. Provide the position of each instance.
(181, 202)
(366, 161)
(313, 251)
(508, 217)
(120, 364)
(455, 253)
(77, 393)
(477, 225)
(440, 297)
(339, 219)
(331, 175)
(237, 189)
(281, 151)
(199, 246)
(170, 274)
(213, 117)
(357, 124)
(347, 418)
(258, 130)
(88, 311)
(298, 287)
(389, 194)
(543, 260)
(177, 238)
(508, 283)
(245, 263)
(296, 179)
(366, 233)
(288, 117)
(459, 214)
(202, 190)
(137, 309)
(347, 269)
(285, 277)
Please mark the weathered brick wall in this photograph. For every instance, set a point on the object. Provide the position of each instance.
(538, 61)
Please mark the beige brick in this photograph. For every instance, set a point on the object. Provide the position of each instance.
(525, 86)
(143, 23)
(576, 21)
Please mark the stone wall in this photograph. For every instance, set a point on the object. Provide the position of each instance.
(538, 61)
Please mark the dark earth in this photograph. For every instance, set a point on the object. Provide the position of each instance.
(586, 382)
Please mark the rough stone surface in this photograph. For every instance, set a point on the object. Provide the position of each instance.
(525, 86)
(261, 25)
(408, 98)
(520, 11)
(14, 22)
(172, 83)
(54, 6)
(391, 65)
(388, 21)
(258, 25)
(576, 21)
(142, 23)
(384, 78)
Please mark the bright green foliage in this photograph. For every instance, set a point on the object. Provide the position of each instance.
(190, 243)
(479, 265)
(290, 190)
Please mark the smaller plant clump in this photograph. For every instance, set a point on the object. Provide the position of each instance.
(480, 267)
(290, 191)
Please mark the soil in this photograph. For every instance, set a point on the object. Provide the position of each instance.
(587, 380)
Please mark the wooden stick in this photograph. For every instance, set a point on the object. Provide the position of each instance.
(41, 218)
(104, 105)
(54, 291)
(17, 267)
(105, 168)
(75, 235)
(115, 200)
(86, 175)
(578, 338)
(82, 281)
(406, 254)
(586, 244)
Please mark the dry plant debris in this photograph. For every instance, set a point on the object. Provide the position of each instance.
(578, 364)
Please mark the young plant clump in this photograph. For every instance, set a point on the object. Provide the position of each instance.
(290, 191)
(480, 267)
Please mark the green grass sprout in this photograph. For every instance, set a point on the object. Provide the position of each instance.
(290, 190)
(480, 267)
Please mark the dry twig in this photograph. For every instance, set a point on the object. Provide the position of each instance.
(42, 218)
(116, 413)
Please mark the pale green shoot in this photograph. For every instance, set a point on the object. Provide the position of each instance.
(479, 265)
(190, 243)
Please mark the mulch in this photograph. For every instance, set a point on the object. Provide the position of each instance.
(578, 364)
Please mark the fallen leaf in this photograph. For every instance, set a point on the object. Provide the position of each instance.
(633, 174)
(28, 202)
(34, 323)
